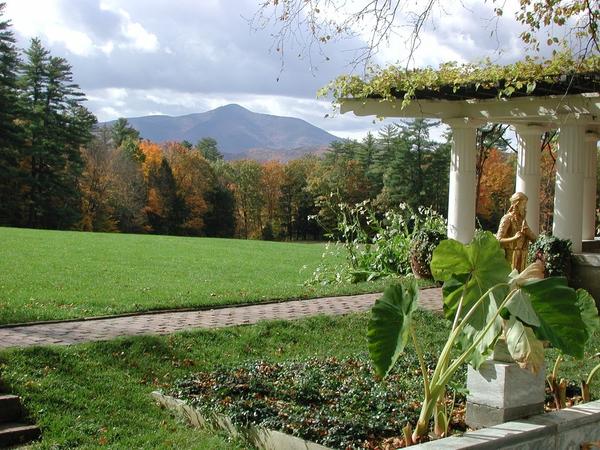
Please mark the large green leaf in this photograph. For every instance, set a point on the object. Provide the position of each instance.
(523, 346)
(520, 306)
(589, 312)
(561, 323)
(389, 325)
(476, 266)
(471, 270)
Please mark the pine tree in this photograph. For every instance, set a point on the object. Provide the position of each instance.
(56, 125)
(10, 137)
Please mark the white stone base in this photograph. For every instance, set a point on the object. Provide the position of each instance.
(500, 392)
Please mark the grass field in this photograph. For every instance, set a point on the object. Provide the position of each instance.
(95, 395)
(47, 275)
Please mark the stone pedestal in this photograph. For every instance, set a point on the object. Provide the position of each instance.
(502, 391)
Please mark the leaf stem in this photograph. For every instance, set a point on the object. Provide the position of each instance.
(419, 353)
(460, 303)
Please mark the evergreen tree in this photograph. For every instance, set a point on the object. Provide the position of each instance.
(219, 221)
(387, 140)
(55, 126)
(166, 209)
(10, 137)
(122, 131)
(209, 149)
(405, 181)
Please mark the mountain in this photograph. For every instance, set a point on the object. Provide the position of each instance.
(239, 132)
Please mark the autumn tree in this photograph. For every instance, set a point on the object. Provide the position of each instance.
(272, 180)
(548, 180)
(249, 200)
(95, 183)
(165, 208)
(496, 186)
(193, 177)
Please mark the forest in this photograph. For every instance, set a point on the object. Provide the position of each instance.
(60, 170)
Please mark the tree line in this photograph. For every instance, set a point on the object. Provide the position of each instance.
(129, 184)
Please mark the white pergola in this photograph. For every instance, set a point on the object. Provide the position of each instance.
(576, 116)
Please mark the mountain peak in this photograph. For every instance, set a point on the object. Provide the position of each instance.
(239, 132)
(231, 107)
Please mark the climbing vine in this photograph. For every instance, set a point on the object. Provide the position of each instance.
(523, 77)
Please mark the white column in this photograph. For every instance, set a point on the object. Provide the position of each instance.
(568, 204)
(528, 171)
(461, 198)
(589, 185)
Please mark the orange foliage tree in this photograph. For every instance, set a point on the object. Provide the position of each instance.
(496, 186)
(194, 178)
(165, 209)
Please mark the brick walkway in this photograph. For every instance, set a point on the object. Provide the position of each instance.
(65, 333)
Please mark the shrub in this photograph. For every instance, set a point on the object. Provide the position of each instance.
(555, 254)
(375, 245)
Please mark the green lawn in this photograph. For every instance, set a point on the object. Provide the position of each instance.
(97, 394)
(47, 275)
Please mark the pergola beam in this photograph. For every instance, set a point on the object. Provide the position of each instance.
(510, 111)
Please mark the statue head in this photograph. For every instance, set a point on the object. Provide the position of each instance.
(518, 203)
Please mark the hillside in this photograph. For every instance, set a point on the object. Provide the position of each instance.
(239, 132)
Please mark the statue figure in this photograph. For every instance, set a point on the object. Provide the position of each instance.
(514, 234)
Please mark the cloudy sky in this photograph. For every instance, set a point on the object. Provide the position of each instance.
(139, 57)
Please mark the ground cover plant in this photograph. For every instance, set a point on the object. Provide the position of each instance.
(335, 402)
(59, 275)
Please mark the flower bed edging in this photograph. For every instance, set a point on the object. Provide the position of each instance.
(565, 429)
(261, 438)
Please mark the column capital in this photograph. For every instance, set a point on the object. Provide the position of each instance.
(463, 122)
(592, 136)
(530, 129)
(574, 119)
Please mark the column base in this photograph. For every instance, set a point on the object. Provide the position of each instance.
(502, 391)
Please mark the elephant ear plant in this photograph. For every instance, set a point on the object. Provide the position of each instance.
(485, 301)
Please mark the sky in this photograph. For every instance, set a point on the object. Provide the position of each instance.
(139, 57)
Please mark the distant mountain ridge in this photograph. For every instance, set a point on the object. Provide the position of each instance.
(239, 132)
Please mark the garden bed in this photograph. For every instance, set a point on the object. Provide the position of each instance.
(336, 403)
(326, 403)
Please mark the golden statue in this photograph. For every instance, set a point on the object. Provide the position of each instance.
(514, 234)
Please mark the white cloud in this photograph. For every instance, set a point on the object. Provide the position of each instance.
(139, 38)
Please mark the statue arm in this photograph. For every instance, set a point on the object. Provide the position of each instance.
(502, 234)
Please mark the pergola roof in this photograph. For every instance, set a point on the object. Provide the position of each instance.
(547, 105)
(580, 83)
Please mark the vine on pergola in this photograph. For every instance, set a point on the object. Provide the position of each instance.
(520, 78)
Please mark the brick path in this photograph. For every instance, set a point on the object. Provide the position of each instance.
(65, 333)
